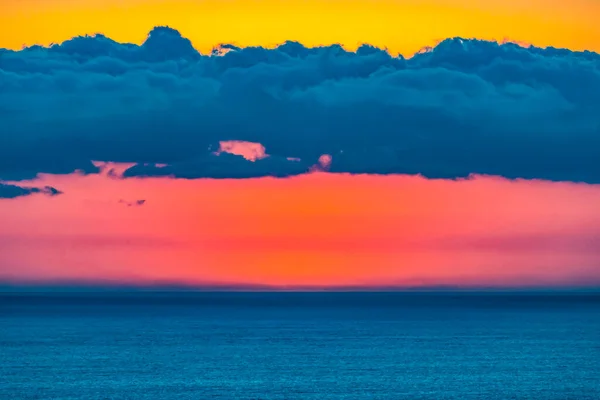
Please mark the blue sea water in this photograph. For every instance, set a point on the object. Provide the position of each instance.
(300, 346)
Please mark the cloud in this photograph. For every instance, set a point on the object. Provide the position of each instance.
(232, 160)
(462, 107)
(135, 203)
(250, 151)
(222, 166)
(8, 191)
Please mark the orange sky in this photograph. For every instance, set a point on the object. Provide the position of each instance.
(317, 229)
(403, 26)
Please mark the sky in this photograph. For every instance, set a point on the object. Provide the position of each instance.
(403, 26)
(300, 144)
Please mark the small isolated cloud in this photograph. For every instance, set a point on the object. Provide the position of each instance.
(325, 162)
(462, 107)
(250, 151)
(135, 203)
(8, 191)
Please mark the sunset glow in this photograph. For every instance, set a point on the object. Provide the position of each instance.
(318, 229)
(284, 159)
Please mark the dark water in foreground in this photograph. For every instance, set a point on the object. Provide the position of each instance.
(300, 346)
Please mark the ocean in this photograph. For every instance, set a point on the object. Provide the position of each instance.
(291, 345)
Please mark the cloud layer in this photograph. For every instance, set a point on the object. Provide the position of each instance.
(8, 191)
(463, 107)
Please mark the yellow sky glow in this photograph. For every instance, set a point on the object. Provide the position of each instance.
(403, 26)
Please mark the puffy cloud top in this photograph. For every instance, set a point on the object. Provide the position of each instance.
(463, 107)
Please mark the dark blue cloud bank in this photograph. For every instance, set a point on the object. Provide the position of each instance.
(12, 191)
(463, 107)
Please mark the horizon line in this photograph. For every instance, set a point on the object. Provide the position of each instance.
(66, 288)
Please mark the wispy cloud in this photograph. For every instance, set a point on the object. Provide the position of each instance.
(8, 191)
(135, 203)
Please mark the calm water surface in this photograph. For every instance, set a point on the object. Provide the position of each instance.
(299, 346)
